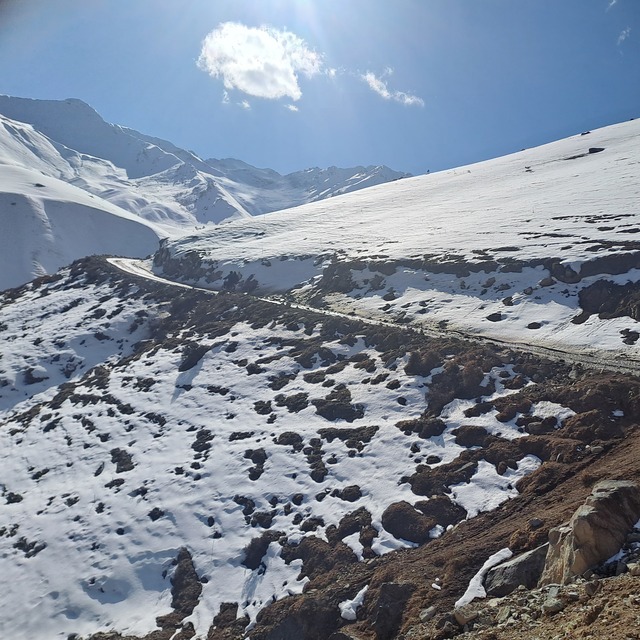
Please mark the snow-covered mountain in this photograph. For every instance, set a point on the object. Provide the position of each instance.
(512, 248)
(391, 388)
(147, 177)
(47, 222)
(264, 190)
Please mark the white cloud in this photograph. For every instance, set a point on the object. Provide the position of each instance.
(379, 86)
(611, 4)
(263, 62)
(624, 35)
(291, 107)
(245, 105)
(225, 97)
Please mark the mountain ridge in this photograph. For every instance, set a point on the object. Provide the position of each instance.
(167, 188)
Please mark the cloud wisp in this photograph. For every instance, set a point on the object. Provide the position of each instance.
(378, 85)
(611, 4)
(624, 35)
(259, 61)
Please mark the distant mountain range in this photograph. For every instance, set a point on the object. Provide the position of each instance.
(157, 187)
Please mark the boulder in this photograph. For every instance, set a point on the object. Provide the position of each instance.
(524, 570)
(442, 509)
(465, 614)
(596, 531)
(403, 520)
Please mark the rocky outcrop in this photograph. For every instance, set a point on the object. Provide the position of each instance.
(524, 570)
(595, 532)
(186, 589)
(387, 610)
(610, 300)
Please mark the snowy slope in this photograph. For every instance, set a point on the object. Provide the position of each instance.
(46, 223)
(134, 423)
(490, 248)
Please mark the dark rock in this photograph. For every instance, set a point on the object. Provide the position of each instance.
(318, 557)
(428, 481)
(538, 428)
(256, 549)
(349, 494)
(337, 406)
(262, 519)
(186, 587)
(294, 403)
(426, 427)
(192, 354)
(290, 438)
(402, 520)
(351, 523)
(421, 363)
(240, 435)
(611, 300)
(387, 609)
(262, 407)
(257, 456)
(312, 524)
(227, 619)
(122, 459)
(203, 438)
(354, 438)
(470, 436)
(248, 504)
(253, 368)
(442, 510)
(155, 513)
(478, 409)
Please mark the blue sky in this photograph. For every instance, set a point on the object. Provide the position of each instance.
(288, 84)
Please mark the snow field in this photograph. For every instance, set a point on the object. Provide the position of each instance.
(140, 459)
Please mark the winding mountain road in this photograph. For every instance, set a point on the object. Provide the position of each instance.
(600, 359)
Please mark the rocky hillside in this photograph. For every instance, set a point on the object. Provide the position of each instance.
(221, 466)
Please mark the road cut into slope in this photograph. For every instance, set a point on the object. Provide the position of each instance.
(590, 357)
